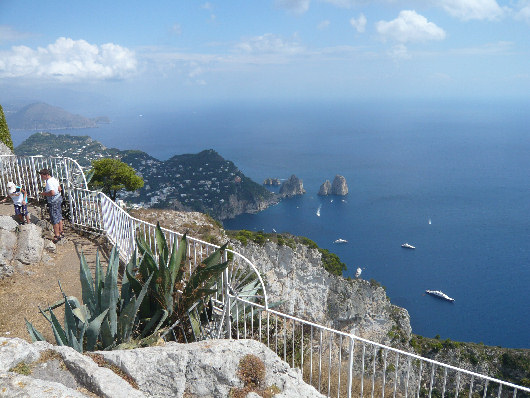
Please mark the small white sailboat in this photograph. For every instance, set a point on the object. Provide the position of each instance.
(340, 240)
(318, 210)
(358, 272)
(408, 246)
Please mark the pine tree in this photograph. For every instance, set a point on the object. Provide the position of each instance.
(5, 136)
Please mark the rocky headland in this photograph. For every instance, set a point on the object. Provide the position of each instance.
(291, 187)
(42, 116)
(204, 182)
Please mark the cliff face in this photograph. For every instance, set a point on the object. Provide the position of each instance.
(325, 188)
(292, 187)
(308, 291)
(339, 186)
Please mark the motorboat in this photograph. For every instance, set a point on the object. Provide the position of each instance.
(340, 240)
(358, 272)
(408, 246)
(439, 294)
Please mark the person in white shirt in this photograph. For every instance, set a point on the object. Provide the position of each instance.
(20, 201)
(52, 192)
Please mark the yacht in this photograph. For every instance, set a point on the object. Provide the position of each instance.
(439, 294)
(340, 240)
(407, 246)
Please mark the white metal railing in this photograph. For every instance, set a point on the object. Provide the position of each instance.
(336, 363)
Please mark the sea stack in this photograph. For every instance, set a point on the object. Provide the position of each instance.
(293, 186)
(339, 186)
(325, 189)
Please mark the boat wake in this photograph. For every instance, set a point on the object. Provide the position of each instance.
(318, 210)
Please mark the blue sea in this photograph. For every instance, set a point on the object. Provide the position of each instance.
(465, 166)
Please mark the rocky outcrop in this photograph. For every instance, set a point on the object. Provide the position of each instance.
(272, 181)
(21, 245)
(325, 188)
(292, 187)
(339, 186)
(4, 150)
(307, 290)
(203, 369)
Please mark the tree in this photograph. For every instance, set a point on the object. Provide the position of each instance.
(111, 175)
(5, 135)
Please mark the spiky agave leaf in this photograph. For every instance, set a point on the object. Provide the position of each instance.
(128, 316)
(110, 295)
(93, 330)
(87, 285)
(33, 333)
(161, 243)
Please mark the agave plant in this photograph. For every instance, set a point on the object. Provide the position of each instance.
(105, 319)
(174, 295)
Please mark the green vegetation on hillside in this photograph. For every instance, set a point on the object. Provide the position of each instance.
(112, 175)
(5, 135)
(330, 261)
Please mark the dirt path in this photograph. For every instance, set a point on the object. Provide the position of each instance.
(37, 285)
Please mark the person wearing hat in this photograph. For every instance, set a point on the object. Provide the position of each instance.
(20, 201)
(52, 192)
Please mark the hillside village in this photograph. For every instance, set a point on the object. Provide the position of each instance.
(202, 182)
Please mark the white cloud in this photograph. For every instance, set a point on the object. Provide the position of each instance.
(342, 3)
(323, 25)
(399, 51)
(524, 11)
(8, 34)
(409, 26)
(296, 6)
(472, 9)
(269, 44)
(69, 60)
(359, 23)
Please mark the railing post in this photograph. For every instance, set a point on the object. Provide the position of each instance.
(227, 306)
(350, 366)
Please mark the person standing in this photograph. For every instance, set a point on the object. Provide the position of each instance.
(20, 201)
(52, 191)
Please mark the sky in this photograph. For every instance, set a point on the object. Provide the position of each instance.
(103, 53)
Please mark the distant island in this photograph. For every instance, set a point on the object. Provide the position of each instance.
(41, 116)
(203, 182)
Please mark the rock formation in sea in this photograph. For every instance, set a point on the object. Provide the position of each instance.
(339, 186)
(325, 188)
(272, 181)
(292, 187)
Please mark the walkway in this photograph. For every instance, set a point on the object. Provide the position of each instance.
(24, 291)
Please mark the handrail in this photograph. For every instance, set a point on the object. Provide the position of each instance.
(95, 211)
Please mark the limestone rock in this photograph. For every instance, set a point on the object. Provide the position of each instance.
(204, 369)
(325, 188)
(339, 186)
(292, 187)
(4, 150)
(308, 291)
(8, 224)
(30, 244)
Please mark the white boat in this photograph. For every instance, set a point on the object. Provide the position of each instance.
(440, 294)
(340, 240)
(408, 246)
(358, 273)
(318, 210)
(430, 222)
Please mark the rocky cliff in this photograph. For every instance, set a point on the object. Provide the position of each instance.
(4, 150)
(292, 187)
(325, 188)
(339, 186)
(298, 278)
